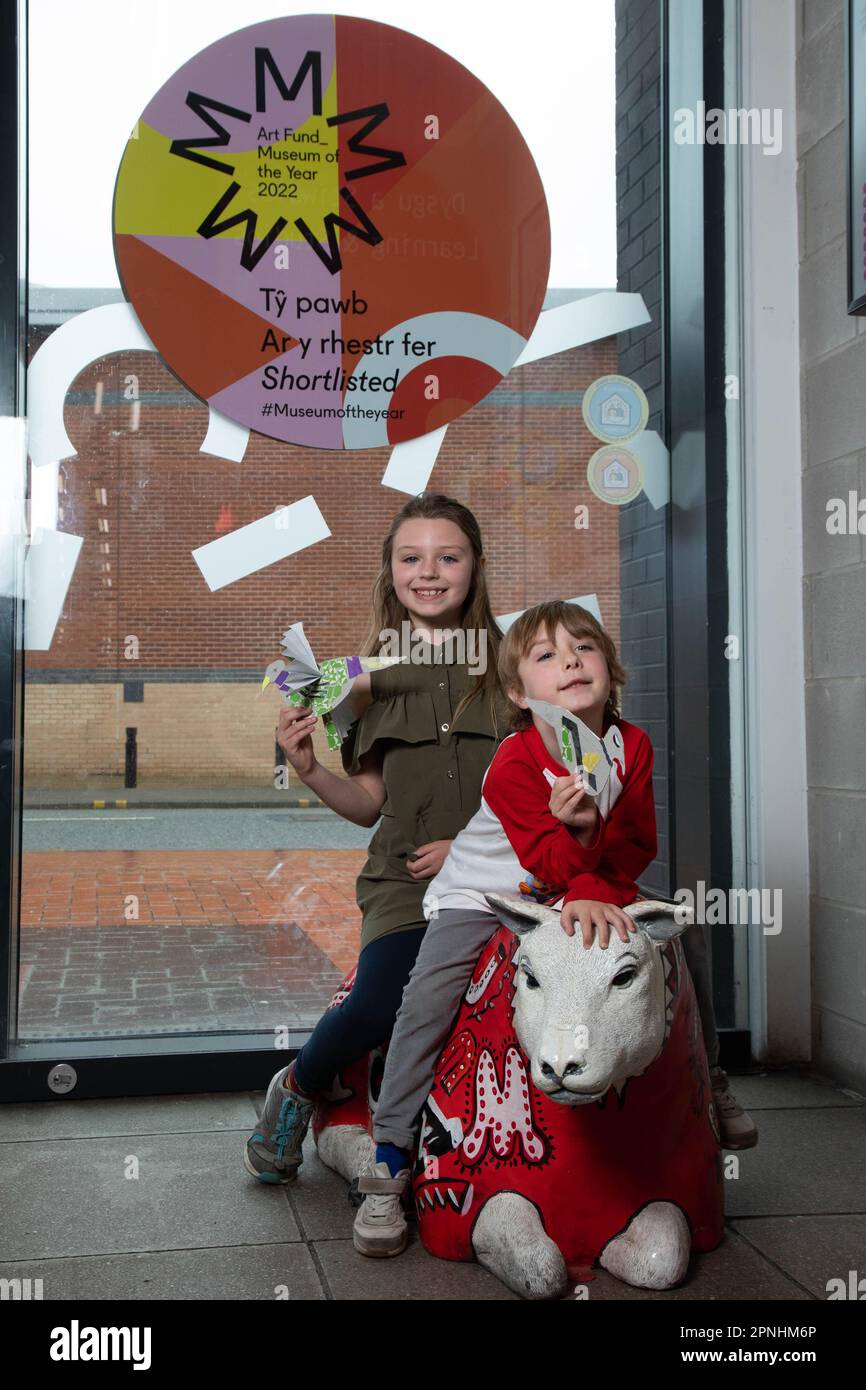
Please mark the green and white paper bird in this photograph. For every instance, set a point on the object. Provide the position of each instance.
(323, 688)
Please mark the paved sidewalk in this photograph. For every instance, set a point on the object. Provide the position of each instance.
(219, 939)
(196, 1226)
(152, 795)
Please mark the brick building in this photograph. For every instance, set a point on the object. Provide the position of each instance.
(143, 643)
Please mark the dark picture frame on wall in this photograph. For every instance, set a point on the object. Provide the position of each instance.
(855, 151)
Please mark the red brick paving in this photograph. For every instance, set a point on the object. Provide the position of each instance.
(315, 889)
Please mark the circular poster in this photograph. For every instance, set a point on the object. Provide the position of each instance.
(331, 232)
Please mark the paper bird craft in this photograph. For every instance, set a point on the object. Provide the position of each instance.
(324, 687)
(580, 749)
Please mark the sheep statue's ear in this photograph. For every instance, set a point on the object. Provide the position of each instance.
(660, 920)
(520, 915)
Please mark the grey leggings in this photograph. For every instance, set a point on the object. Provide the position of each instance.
(437, 982)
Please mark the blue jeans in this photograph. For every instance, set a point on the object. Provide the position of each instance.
(364, 1020)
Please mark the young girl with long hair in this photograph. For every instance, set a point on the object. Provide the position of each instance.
(416, 756)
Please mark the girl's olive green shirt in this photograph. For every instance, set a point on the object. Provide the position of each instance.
(432, 767)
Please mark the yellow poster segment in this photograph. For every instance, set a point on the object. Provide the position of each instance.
(161, 194)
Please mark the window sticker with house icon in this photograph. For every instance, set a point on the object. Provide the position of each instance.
(615, 409)
(615, 474)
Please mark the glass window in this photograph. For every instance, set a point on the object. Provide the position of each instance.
(177, 877)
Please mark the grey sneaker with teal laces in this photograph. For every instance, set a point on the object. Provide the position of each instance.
(273, 1151)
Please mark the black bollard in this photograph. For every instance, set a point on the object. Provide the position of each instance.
(131, 761)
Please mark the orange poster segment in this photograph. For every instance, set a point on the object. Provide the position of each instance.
(214, 341)
(413, 79)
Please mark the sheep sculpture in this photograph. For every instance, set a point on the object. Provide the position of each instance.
(571, 1119)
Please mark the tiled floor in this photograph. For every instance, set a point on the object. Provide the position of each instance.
(193, 1225)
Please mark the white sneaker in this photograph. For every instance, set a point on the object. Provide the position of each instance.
(380, 1225)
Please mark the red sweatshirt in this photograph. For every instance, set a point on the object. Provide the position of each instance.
(514, 837)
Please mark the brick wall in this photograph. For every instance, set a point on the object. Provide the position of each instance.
(518, 459)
